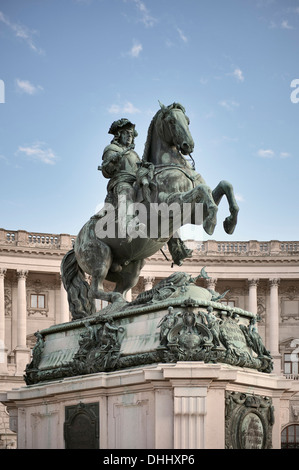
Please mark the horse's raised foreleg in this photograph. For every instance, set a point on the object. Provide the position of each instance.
(200, 194)
(225, 188)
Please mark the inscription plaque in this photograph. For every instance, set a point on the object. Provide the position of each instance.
(232, 335)
(252, 431)
(81, 427)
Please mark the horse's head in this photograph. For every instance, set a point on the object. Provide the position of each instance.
(174, 128)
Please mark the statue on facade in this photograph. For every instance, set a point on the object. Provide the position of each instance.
(114, 243)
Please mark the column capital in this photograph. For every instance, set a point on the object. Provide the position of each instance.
(274, 282)
(253, 282)
(22, 274)
(2, 273)
(211, 283)
(148, 281)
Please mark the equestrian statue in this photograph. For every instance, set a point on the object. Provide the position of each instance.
(147, 201)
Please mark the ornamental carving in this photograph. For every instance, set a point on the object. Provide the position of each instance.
(99, 348)
(7, 301)
(290, 292)
(184, 334)
(211, 336)
(249, 419)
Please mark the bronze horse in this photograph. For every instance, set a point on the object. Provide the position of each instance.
(102, 257)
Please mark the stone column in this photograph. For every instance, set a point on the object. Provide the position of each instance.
(22, 353)
(148, 282)
(3, 352)
(252, 296)
(129, 295)
(273, 322)
(189, 417)
(64, 305)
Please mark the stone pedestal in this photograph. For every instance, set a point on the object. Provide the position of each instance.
(175, 369)
(187, 405)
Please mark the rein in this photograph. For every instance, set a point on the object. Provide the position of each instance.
(173, 166)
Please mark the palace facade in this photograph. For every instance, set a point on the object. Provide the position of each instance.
(261, 277)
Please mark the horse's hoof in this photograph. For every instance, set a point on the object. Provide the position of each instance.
(229, 226)
(209, 227)
(117, 297)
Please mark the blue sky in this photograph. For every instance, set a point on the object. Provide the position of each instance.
(69, 68)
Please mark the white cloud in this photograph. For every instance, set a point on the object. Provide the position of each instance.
(284, 155)
(285, 25)
(27, 87)
(146, 17)
(239, 197)
(265, 153)
(268, 153)
(182, 35)
(127, 108)
(229, 104)
(136, 49)
(21, 32)
(39, 151)
(238, 74)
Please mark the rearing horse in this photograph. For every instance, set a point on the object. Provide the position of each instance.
(120, 261)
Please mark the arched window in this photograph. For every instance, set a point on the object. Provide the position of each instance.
(290, 437)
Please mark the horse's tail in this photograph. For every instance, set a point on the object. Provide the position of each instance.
(76, 286)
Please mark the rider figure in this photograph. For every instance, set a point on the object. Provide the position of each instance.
(120, 161)
(126, 173)
(122, 166)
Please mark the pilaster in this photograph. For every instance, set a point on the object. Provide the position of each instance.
(3, 350)
(22, 353)
(189, 416)
(274, 325)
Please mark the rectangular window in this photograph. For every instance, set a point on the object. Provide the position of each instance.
(291, 363)
(37, 301)
(229, 303)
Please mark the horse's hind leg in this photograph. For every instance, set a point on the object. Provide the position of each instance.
(99, 273)
(225, 188)
(128, 277)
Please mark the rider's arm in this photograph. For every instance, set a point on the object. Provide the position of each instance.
(110, 163)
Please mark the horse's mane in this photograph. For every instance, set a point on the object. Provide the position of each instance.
(163, 110)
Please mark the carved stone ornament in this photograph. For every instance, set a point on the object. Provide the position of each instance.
(249, 420)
